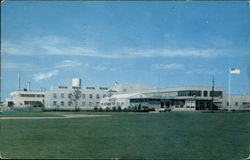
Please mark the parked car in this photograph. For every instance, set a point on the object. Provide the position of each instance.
(164, 110)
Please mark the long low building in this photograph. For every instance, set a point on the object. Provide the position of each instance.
(178, 98)
(26, 98)
(128, 96)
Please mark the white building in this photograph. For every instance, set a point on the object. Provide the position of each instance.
(178, 98)
(74, 97)
(238, 102)
(26, 99)
(128, 96)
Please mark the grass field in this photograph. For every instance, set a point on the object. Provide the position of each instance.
(128, 135)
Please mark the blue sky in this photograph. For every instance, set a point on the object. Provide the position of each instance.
(161, 44)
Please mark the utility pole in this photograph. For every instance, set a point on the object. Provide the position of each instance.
(212, 95)
(229, 98)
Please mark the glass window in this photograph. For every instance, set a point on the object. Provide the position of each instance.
(62, 103)
(83, 103)
(54, 103)
(205, 93)
(236, 103)
(90, 96)
(189, 93)
(69, 95)
(70, 103)
(216, 94)
(97, 96)
(90, 103)
(90, 88)
(55, 95)
(62, 95)
(227, 103)
(83, 96)
(97, 103)
(104, 95)
(103, 88)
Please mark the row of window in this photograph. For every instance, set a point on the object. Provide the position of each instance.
(62, 95)
(243, 103)
(31, 95)
(113, 103)
(198, 93)
(90, 88)
(62, 103)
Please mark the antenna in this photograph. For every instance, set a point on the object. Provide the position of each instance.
(18, 80)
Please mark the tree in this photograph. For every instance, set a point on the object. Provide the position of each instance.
(75, 96)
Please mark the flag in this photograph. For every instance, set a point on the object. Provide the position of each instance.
(234, 71)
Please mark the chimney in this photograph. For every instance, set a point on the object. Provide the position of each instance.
(28, 86)
(18, 81)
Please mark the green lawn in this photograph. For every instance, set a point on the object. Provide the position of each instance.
(129, 135)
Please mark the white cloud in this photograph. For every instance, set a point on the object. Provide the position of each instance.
(183, 52)
(167, 66)
(42, 76)
(68, 63)
(99, 68)
(12, 65)
(56, 45)
(202, 71)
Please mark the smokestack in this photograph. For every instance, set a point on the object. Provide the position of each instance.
(18, 81)
(28, 86)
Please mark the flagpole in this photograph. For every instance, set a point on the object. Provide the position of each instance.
(229, 107)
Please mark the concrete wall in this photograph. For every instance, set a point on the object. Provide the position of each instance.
(239, 102)
(84, 102)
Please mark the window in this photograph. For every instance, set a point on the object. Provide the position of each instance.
(216, 94)
(83, 103)
(97, 96)
(54, 103)
(245, 104)
(63, 87)
(27, 95)
(62, 95)
(70, 103)
(54, 95)
(90, 88)
(90, 103)
(104, 96)
(236, 103)
(90, 96)
(40, 95)
(83, 96)
(97, 103)
(205, 93)
(69, 95)
(62, 103)
(227, 103)
(103, 88)
(189, 93)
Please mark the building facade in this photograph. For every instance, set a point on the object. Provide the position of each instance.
(238, 102)
(128, 96)
(26, 99)
(74, 97)
(178, 98)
